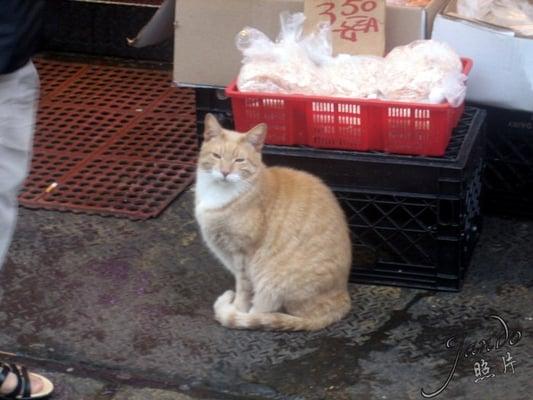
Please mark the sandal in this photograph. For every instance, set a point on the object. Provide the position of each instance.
(23, 389)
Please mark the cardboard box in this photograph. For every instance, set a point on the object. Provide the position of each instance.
(406, 24)
(204, 42)
(503, 62)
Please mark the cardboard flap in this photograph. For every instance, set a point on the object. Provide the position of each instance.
(159, 28)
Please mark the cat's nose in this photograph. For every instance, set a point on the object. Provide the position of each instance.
(225, 173)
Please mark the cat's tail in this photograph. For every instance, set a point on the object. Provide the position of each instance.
(323, 313)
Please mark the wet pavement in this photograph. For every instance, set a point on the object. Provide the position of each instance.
(117, 309)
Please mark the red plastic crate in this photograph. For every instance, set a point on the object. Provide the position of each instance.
(348, 124)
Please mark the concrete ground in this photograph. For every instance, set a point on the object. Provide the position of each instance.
(116, 309)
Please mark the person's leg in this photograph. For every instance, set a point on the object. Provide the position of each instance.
(11, 173)
(18, 98)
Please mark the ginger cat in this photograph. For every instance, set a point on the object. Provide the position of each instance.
(280, 231)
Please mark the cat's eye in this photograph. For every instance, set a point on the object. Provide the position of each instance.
(216, 155)
(239, 160)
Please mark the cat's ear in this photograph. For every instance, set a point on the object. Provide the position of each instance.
(256, 136)
(211, 127)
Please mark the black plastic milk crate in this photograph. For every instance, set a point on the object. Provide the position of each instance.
(414, 220)
(212, 100)
(508, 178)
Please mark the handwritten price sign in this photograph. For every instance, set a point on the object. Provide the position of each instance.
(358, 26)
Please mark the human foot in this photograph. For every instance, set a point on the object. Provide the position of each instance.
(17, 383)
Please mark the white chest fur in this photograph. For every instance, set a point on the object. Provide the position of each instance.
(213, 193)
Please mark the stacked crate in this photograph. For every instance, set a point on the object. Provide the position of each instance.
(414, 220)
(508, 181)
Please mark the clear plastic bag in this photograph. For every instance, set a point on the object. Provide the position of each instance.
(355, 76)
(318, 45)
(475, 9)
(408, 3)
(516, 15)
(350, 76)
(423, 71)
(283, 66)
(451, 88)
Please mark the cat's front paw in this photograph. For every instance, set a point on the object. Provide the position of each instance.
(224, 300)
(242, 304)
